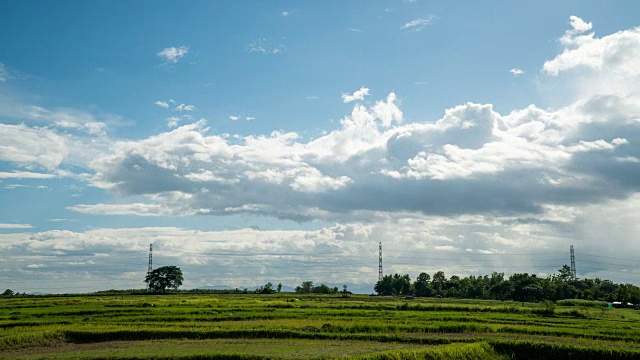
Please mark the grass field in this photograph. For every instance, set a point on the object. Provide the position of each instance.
(292, 326)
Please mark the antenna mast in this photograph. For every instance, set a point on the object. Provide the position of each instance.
(573, 263)
(380, 262)
(150, 269)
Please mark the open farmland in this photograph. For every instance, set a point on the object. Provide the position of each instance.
(247, 326)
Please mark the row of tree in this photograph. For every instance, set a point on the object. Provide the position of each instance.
(518, 287)
(307, 287)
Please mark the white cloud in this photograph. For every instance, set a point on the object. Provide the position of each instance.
(63, 118)
(475, 181)
(418, 24)
(233, 117)
(285, 13)
(354, 30)
(516, 72)
(185, 107)
(357, 95)
(25, 175)
(4, 74)
(15, 226)
(138, 209)
(617, 54)
(174, 54)
(24, 145)
(162, 104)
(250, 118)
(173, 121)
(264, 47)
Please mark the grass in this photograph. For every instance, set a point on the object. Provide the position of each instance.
(293, 326)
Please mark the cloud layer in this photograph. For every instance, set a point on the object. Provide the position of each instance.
(475, 181)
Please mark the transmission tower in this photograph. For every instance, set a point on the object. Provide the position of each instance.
(573, 263)
(150, 269)
(380, 262)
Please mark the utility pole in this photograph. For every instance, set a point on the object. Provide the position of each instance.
(573, 263)
(150, 269)
(380, 262)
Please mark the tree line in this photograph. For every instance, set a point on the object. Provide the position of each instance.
(517, 287)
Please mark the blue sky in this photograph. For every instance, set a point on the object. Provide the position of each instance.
(467, 131)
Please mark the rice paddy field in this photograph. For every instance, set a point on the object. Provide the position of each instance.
(291, 326)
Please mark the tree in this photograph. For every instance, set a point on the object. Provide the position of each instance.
(423, 285)
(279, 287)
(384, 286)
(7, 292)
(266, 289)
(438, 282)
(305, 288)
(164, 277)
(565, 274)
(393, 285)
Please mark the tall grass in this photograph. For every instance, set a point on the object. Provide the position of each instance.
(44, 322)
(478, 351)
(583, 303)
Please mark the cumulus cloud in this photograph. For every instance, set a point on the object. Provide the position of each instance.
(172, 121)
(516, 71)
(474, 181)
(250, 256)
(285, 13)
(185, 107)
(617, 54)
(174, 54)
(25, 145)
(162, 104)
(358, 95)
(418, 24)
(233, 117)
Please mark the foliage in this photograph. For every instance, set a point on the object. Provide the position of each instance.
(164, 277)
(308, 288)
(7, 292)
(521, 287)
(395, 284)
(266, 289)
(582, 303)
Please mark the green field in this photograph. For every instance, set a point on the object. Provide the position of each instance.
(291, 326)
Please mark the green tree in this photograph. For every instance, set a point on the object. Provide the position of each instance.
(266, 289)
(565, 274)
(422, 285)
(305, 288)
(438, 282)
(164, 277)
(279, 287)
(322, 289)
(384, 286)
(7, 292)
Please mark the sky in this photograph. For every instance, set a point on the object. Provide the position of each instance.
(280, 141)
